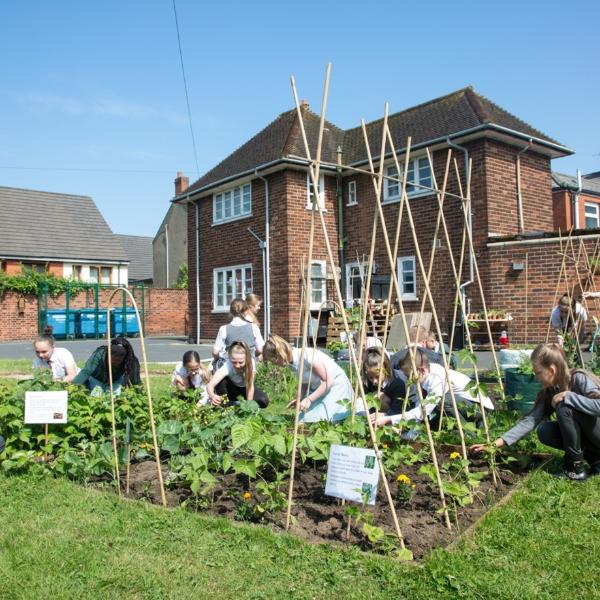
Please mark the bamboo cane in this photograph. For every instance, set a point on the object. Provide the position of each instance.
(560, 275)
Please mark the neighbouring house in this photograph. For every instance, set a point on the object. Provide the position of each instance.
(62, 234)
(138, 249)
(576, 201)
(248, 217)
(169, 246)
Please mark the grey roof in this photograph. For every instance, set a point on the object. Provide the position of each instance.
(44, 225)
(449, 115)
(569, 182)
(594, 175)
(139, 251)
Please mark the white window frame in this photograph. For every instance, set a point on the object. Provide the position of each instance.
(401, 279)
(314, 303)
(226, 202)
(321, 192)
(592, 211)
(352, 201)
(221, 299)
(350, 300)
(415, 164)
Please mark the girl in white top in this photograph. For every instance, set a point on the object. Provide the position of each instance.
(239, 328)
(568, 319)
(191, 374)
(235, 378)
(59, 360)
(432, 378)
(254, 302)
(324, 382)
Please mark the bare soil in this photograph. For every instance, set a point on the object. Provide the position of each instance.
(319, 518)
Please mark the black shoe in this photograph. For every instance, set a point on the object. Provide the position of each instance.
(574, 471)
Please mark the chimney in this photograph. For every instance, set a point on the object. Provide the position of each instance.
(181, 183)
(304, 105)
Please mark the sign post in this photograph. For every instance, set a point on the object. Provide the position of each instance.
(43, 408)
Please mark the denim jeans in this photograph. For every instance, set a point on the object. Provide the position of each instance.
(577, 433)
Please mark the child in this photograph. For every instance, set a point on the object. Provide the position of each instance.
(323, 380)
(239, 328)
(125, 368)
(575, 396)
(376, 363)
(568, 317)
(419, 337)
(191, 374)
(236, 378)
(432, 378)
(60, 360)
(254, 302)
(431, 342)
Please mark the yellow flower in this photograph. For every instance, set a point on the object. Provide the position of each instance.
(455, 455)
(403, 479)
(384, 446)
(247, 496)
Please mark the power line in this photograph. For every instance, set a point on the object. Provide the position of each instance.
(187, 97)
(86, 170)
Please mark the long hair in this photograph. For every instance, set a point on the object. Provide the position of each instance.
(238, 308)
(252, 300)
(375, 358)
(120, 346)
(191, 356)
(546, 356)
(249, 366)
(276, 349)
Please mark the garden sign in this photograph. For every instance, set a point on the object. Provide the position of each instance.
(352, 474)
(46, 407)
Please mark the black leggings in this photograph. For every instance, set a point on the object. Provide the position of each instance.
(233, 392)
(577, 433)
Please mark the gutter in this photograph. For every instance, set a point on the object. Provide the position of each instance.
(552, 240)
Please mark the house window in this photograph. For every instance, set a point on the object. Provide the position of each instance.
(76, 274)
(419, 174)
(36, 267)
(106, 273)
(592, 217)
(351, 193)
(310, 192)
(232, 204)
(355, 275)
(230, 283)
(94, 275)
(318, 283)
(407, 277)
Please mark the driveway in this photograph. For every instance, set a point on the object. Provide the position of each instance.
(158, 350)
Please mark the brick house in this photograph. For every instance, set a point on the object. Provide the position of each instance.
(576, 203)
(63, 234)
(248, 217)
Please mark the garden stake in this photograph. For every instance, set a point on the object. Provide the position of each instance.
(339, 296)
(148, 392)
(112, 401)
(411, 349)
(560, 275)
(127, 453)
(308, 279)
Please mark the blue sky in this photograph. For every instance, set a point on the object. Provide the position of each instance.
(92, 99)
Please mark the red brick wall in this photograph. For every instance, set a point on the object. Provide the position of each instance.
(562, 209)
(507, 287)
(165, 311)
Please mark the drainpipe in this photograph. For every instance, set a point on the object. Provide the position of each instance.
(340, 202)
(266, 260)
(263, 247)
(519, 191)
(197, 274)
(575, 194)
(466, 308)
(167, 252)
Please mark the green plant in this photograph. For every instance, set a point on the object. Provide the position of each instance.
(182, 277)
(406, 488)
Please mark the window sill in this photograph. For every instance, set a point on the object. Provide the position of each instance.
(352, 204)
(231, 220)
(396, 199)
(409, 298)
(323, 210)
(219, 311)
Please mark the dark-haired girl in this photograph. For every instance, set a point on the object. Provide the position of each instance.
(191, 374)
(575, 396)
(125, 368)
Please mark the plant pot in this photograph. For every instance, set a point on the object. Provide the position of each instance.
(524, 385)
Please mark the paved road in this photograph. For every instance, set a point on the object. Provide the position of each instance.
(160, 350)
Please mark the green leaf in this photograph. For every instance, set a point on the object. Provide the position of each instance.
(278, 442)
(245, 467)
(227, 462)
(404, 554)
(241, 434)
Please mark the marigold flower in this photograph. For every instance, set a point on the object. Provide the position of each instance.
(247, 496)
(404, 479)
(454, 455)
(385, 446)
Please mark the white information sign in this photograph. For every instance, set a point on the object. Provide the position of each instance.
(46, 407)
(352, 473)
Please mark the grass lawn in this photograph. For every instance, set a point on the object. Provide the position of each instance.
(58, 539)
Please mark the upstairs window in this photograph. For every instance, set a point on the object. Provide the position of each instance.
(310, 195)
(352, 193)
(233, 204)
(418, 179)
(592, 217)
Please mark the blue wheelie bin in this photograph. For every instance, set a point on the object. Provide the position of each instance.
(57, 319)
(124, 325)
(87, 323)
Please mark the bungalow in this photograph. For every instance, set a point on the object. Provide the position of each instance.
(62, 234)
(248, 217)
